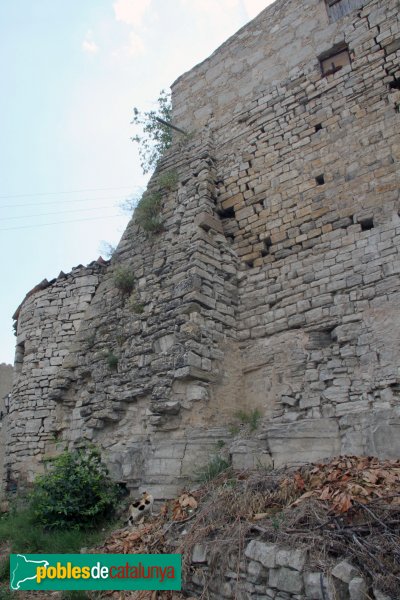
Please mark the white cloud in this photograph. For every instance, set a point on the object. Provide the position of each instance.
(131, 12)
(254, 7)
(89, 45)
(134, 48)
(210, 6)
(136, 45)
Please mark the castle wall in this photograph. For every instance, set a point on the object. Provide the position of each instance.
(274, 285)
(308, 171)
(48, 323)
(6, 379)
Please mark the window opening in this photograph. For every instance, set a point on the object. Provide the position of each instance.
(334, 60)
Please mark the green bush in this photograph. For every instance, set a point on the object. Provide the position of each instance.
(76, 492)
(147, 213)
(124, 279)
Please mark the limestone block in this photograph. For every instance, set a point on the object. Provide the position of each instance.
(295, 559)
(358, 589)
(194, 373)
(249, 454)
(256, 573)
(207, 222)
(160, 466)
(303, 441)
(262, 553)
(344, 571)
(317, 587)
(336, 393)
(196, 393)
(33, 426)
(286, 580)
(199, 554)
(166, 408)
(164, 344)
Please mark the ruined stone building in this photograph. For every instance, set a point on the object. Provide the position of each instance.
(273, 287)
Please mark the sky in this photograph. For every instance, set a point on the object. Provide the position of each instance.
(71, 73)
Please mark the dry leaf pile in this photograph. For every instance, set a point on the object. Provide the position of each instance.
(347, 507)
(347, 481)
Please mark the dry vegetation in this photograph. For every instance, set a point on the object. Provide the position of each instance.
(349, 507)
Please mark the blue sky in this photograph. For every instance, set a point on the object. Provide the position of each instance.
(71, 72)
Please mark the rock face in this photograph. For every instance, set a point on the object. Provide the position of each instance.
(273, 287)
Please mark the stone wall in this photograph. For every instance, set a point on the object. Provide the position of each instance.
(274, 286)
(6, 380)
(308, 180)
(48, 324)
(272, 572)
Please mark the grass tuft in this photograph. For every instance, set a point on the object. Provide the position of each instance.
(252, 419)
(215, 467)
(147, 213)
(124, 279)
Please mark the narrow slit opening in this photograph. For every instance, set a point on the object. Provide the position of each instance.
(267, 246)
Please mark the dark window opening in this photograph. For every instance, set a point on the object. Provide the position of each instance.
(318, 127)
(366, 224)
(19, 356)
(227, 213)
(11, 484)
(320, 179)
(267, 246)
(249, 263)
(395, 84)
(331, 62)
(322, 338)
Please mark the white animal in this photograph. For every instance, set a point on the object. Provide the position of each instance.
(140, 508)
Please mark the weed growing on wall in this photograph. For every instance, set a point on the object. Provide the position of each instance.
(112, 360)
(147, 213)
(134, 305)
(168, 180)
(210, 471)
(76, 492)
(250, 418)
(124, 279)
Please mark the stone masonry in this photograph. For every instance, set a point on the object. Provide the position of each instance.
(6, 379)
(268, 571)
(274, 285)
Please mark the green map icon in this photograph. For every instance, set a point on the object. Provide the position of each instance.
(24, 570)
